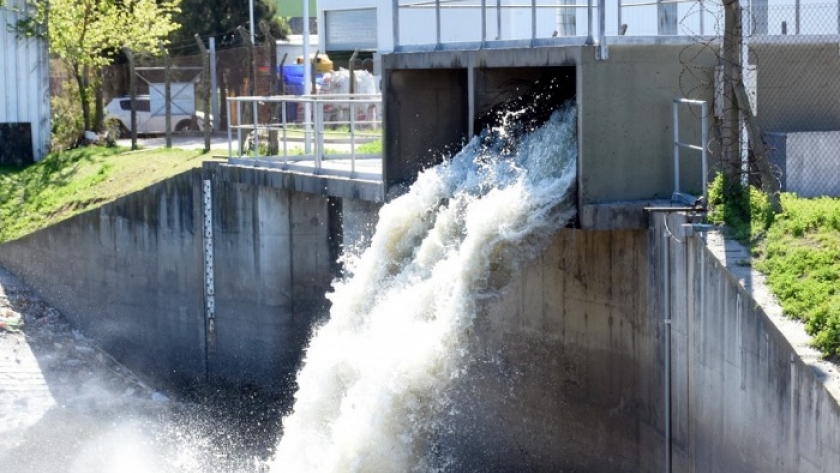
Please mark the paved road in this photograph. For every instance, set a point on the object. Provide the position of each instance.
(191, 141)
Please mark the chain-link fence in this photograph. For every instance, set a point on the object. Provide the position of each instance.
(790, 68)
(238, 71)
(797, 67)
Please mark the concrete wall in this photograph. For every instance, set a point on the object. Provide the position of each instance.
(131, 275)
(744, 398)
(426, 116)
(569, 369)
(626, 124)
(567, 376)
(272, 270)
(791, 99)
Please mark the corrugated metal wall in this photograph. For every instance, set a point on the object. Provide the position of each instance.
(24, 80)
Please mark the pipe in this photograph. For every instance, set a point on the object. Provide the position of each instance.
(437, 22)
(667, 319)
(603, 52)
(533, 20)
(396, 26)
(676, 127)
(483, 21)
(307, 77)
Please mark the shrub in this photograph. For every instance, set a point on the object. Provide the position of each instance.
(67, 124)
(746, 211)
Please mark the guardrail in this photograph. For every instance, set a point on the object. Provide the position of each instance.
(481, 23)
(704, 138)
(312, 122)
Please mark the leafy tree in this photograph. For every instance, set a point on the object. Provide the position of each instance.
(220, 18)
(87, 34)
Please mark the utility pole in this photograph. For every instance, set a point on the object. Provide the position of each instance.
(737, 113)
(167, 98)
(731, 76)
(132, 90)
(307, 76)
(205, 90)
(272, 85)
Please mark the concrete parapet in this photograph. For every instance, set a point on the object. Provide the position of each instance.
(131, 274)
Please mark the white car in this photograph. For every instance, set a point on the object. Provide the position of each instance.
(119, 110)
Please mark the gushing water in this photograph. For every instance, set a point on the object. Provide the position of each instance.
(374, 380)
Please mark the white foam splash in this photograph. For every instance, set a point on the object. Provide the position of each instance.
(375, 375)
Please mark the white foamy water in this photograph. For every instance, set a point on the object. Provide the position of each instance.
(375, 376)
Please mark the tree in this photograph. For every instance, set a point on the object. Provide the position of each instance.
(86, 34)
(220, 18)
(737, 108)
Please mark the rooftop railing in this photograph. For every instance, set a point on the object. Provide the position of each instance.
(447, 24)
(317, 134)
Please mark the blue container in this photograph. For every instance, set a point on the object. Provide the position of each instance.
(293, 78)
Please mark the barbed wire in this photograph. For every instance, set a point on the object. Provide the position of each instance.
(698, 80)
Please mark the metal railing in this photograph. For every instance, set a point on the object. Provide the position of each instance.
(312, 122)
(485, 22)
(487, 9)
(704, 138)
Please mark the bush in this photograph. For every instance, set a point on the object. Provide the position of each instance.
(745, 210)
(801, 258)
(67, 123)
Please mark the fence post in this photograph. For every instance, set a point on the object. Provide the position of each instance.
(272, 85)
(205, 71)
(396, 25)
(351, 66)
(437, 24)
(166, 94)
(313, 66)
(533, 20)
(603, 52)
(214, 86)
(730, 122)
(132, 90)
(252, 78)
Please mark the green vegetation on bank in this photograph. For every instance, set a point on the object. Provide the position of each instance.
(801, 258)
(797, 249)
(67, 183)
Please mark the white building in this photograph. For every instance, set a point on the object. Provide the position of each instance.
(346, 25)
(25, 86)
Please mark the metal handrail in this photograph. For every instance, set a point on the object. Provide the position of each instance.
(593, 7)
(704, 111)
(314, 127)
(498, 6)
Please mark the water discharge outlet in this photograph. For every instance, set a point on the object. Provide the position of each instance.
(374, 388)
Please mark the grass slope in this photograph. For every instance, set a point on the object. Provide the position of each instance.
(800, 256)
(67, 183)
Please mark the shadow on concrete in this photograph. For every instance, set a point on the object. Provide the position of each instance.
(67, 406)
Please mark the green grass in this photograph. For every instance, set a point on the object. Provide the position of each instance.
(800, 256)
(67, 183)
(373, 147)
(745, 211)
(797, 249)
